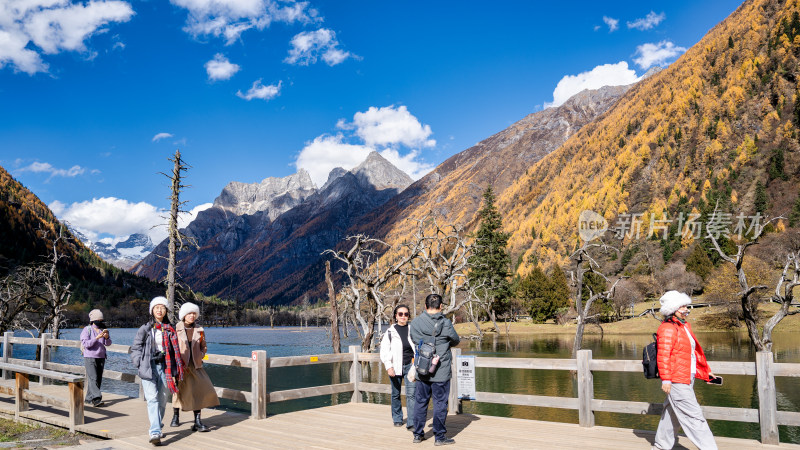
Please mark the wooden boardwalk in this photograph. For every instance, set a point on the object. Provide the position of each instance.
(362, 425)
(369, 426)
(348, 426)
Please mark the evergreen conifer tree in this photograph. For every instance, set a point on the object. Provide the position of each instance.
(760, 201)
(490, 262)
(794, 216)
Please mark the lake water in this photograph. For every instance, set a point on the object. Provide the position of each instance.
(738, 391)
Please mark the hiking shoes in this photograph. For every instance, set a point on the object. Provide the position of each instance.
(418, 438)
(444, 441)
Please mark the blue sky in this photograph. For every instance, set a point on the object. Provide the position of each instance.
(95, 96)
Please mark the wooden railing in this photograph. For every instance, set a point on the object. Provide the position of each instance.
(764, 368)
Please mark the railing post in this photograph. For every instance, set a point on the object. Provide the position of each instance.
(355, 374)
(585, 388)
(8, 352)
(20, 404)
(44, 357)
(258, 388)
(767, 402)
(75, 405)
(454, 406)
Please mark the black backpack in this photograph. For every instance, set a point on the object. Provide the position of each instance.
(426, 351)
(649, 361)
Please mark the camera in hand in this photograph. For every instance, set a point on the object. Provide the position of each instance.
(158, 357)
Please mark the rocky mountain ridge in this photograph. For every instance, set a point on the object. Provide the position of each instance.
(453, 189)
(250, 256)
(273, 195)
(124, 254)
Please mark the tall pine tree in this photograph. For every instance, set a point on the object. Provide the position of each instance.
(490, 262)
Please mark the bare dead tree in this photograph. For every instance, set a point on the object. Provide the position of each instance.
(584, 263)
(368, 276)
(444, 261)
(784, 294)
(746, 295)
(176, 238)
(471, 308)
(17, 290)
(335, 342)
(54, 293)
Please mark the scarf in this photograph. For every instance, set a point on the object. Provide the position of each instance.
(171, 340)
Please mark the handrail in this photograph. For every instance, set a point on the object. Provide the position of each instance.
(764, 368)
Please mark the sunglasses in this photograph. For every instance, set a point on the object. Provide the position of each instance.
(403, 314)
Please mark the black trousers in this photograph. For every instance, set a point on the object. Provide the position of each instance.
(94, 377)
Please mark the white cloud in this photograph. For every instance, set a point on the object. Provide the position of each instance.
(109, 215)
(408, 163)
(220, 68)
(613, 24)
(390, 125)
(228, 19)
(391, 131)
(260, 91)
(161, 136)
(310, 46)
(326, 153)
(119, 218)
(30, 28)
(650, 21)
(603, 75)
(656, 54)
(39, 167)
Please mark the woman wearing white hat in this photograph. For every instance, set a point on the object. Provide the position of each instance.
(94, 340)
(156, 354)
(195, 390)
(680, 360)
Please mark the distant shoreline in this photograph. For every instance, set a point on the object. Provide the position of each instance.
(703, 320)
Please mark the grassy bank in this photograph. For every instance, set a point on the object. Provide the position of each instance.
(21, 435)
(707, 319)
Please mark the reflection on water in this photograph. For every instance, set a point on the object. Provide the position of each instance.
(738, 391)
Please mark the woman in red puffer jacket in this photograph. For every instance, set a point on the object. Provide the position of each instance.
(680, 360)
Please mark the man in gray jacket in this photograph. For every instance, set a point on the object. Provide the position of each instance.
(436, 385)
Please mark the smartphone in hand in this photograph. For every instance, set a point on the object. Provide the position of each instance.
(715, 380)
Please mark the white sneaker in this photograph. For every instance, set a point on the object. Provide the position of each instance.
(155, 439)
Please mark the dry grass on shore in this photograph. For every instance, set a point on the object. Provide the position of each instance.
(702, 320)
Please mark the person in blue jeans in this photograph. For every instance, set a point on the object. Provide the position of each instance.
(156, 355)
(435, 385)
(397, 356)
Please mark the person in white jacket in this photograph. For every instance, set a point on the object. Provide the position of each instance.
(397, 356)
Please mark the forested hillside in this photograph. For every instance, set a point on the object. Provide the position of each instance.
(718, 125)
(27, 231)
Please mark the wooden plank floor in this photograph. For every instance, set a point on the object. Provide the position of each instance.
(121, 417)
(369, 426)
(347, 426)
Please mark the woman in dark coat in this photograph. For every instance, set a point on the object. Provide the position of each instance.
(156, 355)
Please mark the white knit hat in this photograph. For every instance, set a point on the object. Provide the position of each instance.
(188, 308)
(671, 301)
(159, 301)
(95, 315)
